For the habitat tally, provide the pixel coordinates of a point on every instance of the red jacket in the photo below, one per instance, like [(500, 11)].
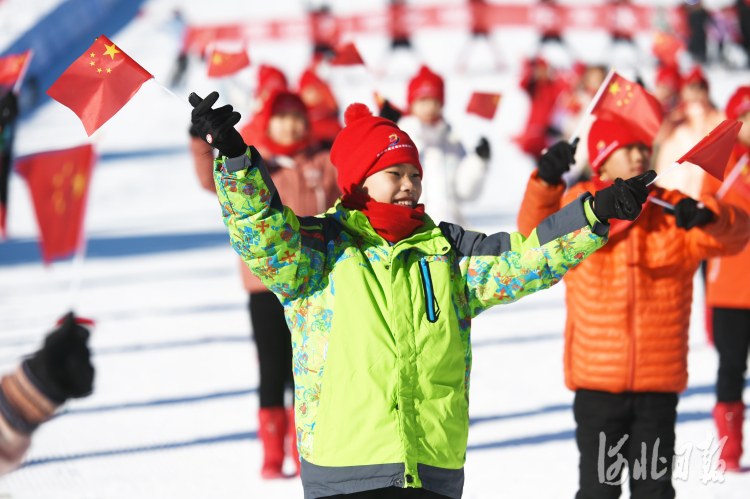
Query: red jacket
[(629, 303)]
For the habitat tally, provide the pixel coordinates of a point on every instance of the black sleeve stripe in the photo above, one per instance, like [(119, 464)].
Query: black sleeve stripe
[(569, 219), (470, 243), (317, 232)]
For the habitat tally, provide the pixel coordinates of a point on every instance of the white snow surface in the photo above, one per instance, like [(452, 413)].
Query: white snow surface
[(174, 412)]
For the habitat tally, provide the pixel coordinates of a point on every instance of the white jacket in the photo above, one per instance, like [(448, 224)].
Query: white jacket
[(450, 175)]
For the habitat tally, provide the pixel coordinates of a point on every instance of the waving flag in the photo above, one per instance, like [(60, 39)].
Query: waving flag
[(99, 83), (629, 104), (713, 151), (12, 67), (346, 55), (227, 63), (667, 47), (59, 182), (483, 105)]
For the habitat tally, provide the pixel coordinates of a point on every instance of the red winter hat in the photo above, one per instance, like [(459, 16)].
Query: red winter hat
[(367, 145), (270, 79), (669, 76), (426, 84), (739, 103), (695, 77), (605, 137)]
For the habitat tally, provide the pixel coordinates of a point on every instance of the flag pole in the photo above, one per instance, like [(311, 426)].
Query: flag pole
[(592, 105), (661, 202), (170, 92), (77, 272), (733, 175), (674, 165), (22, 75)]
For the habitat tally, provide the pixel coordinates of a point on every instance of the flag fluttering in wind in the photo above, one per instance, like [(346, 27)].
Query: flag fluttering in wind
[(713, 151), (346, 55), (667, 48), (12, 67), (59, 183), (224, 63), (629, 104), (99, 83), (483, 104)]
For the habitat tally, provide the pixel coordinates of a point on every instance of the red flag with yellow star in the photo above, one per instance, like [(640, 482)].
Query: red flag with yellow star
[(227, 63), (629, 104), (11, 67), (59, 183), (99, 83), (483, 104), (713, 151)]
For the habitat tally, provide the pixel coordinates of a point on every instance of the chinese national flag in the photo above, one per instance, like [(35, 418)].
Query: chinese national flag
[(59, 182), (346, 55), (742, 183), (713, 151), (483, 105), (11, 67), (99, 83), (629, 104), (227, 63), (666, 48)]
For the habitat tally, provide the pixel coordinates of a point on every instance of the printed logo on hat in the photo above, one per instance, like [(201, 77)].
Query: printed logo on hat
[(601, 145), (394, 139)]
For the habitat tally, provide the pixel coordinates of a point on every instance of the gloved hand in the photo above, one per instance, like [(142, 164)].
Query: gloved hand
[(389, 112), (623, 200), (556, 161), (216, 126), (483, 149), (8, 108), (689, 214), (63, 365)]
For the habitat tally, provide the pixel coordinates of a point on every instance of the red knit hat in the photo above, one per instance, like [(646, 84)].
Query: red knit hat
[(669, 76), (739, 103), (695, 77), (426, 84), (367, 145), (605, 137), (270, 79)]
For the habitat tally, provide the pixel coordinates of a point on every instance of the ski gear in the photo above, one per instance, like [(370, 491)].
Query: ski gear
[(556, 161), (216, 126), (624, 200), (688, 214)]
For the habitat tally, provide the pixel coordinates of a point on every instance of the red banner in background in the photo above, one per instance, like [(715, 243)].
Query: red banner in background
[(478, 17)]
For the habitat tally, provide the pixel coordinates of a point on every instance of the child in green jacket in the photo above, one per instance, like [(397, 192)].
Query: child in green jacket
[(379, 301)]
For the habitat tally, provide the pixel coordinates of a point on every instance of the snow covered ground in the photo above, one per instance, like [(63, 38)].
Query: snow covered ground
[(174, 409)]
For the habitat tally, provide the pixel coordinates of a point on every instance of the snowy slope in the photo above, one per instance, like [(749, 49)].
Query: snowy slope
[(174, 410)]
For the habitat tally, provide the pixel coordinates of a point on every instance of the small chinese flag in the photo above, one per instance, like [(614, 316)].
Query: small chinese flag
[(713, 151), (667, 47), (227, 63), (99, 83), (59, 183), (483, 105), (11, 67), (629, 104), (346, 55)]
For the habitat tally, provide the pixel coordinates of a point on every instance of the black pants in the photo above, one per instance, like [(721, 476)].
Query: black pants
[(732, 340), (391, 493), (644, 418), (274, 344)]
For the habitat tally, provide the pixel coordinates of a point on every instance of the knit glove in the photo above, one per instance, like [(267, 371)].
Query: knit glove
[(556, 161), (688, 213), (63, 365), (483, 149), (624, 200), (8, 108), (216, 126)]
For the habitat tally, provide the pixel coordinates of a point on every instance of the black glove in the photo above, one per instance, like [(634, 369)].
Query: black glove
[(483, 148), (623, 200), (556, 161), (193, 132), (216, 126), (687, 214), (8, 108), (389, 112), (63, 366)]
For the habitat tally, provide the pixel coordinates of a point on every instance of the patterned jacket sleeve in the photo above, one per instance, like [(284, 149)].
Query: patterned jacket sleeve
[(264, 232), (503, 267)]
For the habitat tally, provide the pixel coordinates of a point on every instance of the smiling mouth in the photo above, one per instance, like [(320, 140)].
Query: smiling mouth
[(405, 202)]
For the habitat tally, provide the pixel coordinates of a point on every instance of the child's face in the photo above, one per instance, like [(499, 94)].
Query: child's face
[(398, 184), (427, 110), (287, 128), (626, 162), (744, 136)]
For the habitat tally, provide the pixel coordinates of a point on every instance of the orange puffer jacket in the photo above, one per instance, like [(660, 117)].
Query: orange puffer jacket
[(629, 303)]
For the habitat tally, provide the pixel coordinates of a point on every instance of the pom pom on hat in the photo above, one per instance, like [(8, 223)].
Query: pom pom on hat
[(356, 111)]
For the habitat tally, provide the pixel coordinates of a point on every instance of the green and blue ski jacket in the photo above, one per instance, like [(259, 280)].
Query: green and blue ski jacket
[(381, 332)]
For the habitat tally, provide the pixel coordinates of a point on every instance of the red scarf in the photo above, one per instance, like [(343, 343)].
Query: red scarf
[(269, 148), (391, 221)]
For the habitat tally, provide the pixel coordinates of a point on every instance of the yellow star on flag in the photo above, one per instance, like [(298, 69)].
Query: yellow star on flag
[(99, 70), (109, 70), (93, 54), (111, 50), (217, 59), (614, 88), (92, 63)]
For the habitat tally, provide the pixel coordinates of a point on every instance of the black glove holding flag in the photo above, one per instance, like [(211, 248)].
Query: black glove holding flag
[(389, 112), (556, 161), (689, 213), (8, 108), (216, 126), (63, 367), (483, 148), (624, 200)]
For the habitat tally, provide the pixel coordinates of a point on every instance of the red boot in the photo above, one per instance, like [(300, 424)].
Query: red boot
[(292, 438), (729, 417), (271, 431)]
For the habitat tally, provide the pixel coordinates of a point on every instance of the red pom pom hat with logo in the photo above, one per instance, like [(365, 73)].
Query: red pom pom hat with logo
[(426, 84), (605, 138), (367, 145)]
